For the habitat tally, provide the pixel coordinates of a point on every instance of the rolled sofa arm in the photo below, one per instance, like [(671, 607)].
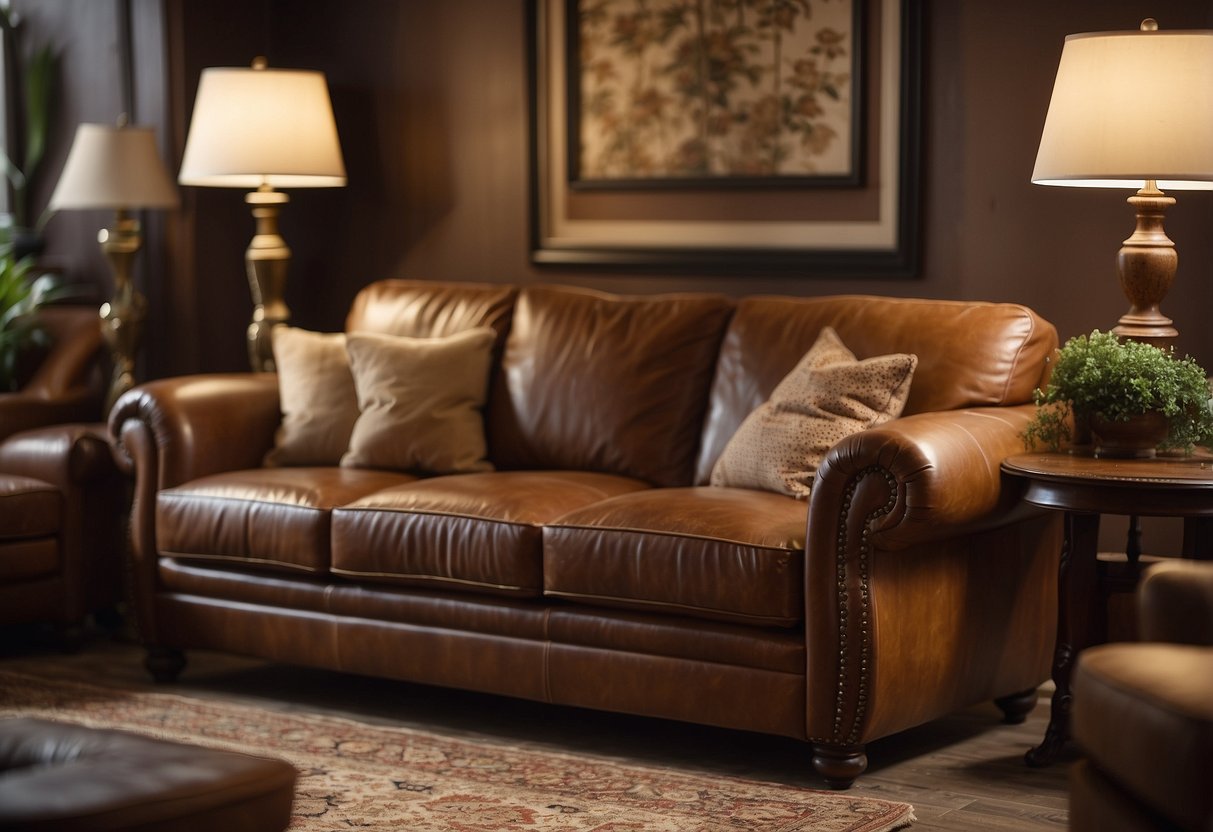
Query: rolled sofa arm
[(174, 430), (915, 489), (937, 474), (197, 425)]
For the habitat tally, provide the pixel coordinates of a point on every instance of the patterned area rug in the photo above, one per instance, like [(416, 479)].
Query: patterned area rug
[(360, 776)]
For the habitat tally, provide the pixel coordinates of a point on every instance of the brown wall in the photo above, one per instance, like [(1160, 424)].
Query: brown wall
[(431, 103)]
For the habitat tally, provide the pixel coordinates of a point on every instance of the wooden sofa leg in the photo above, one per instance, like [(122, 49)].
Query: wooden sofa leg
[(839, 765), (164, 663), (1017, 706)]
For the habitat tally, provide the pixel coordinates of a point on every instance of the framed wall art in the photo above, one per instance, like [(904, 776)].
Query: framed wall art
[(735, 136)]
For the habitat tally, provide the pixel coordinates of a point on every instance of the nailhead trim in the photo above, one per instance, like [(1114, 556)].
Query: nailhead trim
[(865, 633)]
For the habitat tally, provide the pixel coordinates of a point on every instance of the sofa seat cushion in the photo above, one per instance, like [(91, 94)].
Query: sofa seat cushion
[(728, 554), (25, 560), (478, 532), (1143, 715), (28, 508), (269, 517)]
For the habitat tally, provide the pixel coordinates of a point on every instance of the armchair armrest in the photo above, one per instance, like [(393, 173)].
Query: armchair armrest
[(66, 455), (1175, 603), (196, 425), (26, 410)]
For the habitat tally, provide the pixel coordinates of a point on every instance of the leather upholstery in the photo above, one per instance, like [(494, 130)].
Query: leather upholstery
[(424, 309), (61, 526), (28, 508), (716, 553), (270, 517), (596, 382), (67, 385), (472, 531), (969, 354), (910, 584), (1143, 712), (68, 778)]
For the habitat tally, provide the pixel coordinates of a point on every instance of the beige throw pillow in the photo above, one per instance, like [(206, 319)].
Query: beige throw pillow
[(828, 396), (420, 400), (317, 397)]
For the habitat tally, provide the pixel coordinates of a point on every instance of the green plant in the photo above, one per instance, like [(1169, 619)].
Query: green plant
[(37, 80), (21, 295), (1101, 374)]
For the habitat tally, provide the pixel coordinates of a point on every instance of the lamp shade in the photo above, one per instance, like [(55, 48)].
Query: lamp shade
[(257, 126), (1131, 106), (113, 167)]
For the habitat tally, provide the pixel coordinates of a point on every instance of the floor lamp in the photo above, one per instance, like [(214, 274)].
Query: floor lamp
[(117, 168), (263, 129), (1134, 109)]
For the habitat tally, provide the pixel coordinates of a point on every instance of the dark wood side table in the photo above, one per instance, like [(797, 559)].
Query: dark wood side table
[(1085, 487)]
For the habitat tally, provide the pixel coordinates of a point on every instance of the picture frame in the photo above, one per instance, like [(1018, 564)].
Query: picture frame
[(671, 95), (862, 224)]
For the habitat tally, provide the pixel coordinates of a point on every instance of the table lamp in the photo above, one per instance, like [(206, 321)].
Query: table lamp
[(1134, 109), (264, 129), (119, 168)]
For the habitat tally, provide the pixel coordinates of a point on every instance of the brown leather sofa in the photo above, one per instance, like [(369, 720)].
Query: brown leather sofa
[(1143, 713), (595, 566), (61, 496)]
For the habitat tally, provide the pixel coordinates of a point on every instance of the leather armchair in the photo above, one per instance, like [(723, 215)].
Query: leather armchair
[(1143, 713), (61, 497)]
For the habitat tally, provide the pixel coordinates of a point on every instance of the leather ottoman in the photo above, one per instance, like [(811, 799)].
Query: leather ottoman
[(70, 778)]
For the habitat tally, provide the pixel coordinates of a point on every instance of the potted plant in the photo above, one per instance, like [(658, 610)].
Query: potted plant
[(1134, 397), (22, 294)]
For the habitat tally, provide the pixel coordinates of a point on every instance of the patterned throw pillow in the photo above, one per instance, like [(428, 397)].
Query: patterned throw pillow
[(828, 396)]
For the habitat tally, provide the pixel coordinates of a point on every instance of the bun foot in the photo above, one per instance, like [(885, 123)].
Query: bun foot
[(1017, 706), (839, 765), (164, 663)]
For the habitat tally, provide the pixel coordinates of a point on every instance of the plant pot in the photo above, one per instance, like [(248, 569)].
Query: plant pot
[(1135, 439)]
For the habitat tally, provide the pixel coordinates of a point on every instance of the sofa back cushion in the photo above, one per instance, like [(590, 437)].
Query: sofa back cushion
[(599, 382), (426, 309), (970, 354)]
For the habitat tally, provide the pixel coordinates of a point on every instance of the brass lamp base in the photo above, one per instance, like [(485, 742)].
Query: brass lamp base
[(122, 318), (266, 261), (1147, 263)]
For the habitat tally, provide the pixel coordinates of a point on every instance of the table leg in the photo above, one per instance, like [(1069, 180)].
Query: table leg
[(1080, 623)]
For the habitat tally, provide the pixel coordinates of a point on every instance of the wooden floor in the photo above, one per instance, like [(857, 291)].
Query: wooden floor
[(963, 772)]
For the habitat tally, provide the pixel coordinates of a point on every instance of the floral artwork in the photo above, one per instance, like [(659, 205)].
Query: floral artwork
[(713, 89)]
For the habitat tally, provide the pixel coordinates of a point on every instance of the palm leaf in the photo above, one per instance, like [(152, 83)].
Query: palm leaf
[(40, 81)]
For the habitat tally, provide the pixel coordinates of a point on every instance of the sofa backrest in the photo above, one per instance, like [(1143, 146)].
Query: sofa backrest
[(970, 354), (428, 309), (72, 366), (600, 382)]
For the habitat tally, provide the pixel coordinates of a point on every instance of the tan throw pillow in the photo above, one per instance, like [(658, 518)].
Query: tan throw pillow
[(828, 396), (317, 397), (420, 400)]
